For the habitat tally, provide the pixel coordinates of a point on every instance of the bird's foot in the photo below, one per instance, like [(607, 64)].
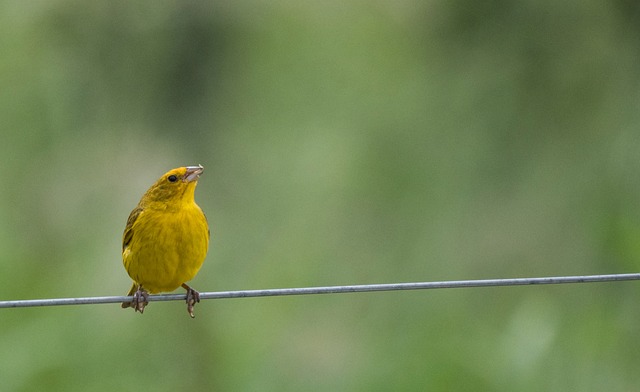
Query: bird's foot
[(193, 297), (140, 300)]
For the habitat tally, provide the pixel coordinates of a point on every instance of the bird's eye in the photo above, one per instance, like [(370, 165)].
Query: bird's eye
[(172, 178)]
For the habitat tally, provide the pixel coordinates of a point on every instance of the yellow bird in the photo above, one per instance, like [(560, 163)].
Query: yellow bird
[(166, 239)]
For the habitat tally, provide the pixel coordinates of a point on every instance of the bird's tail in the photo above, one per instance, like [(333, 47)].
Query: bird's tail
[(132, 291)]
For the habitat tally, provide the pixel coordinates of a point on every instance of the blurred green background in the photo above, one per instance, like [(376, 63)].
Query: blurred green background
[(344, 143)]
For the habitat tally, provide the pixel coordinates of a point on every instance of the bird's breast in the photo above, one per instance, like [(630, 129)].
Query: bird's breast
[(167, 248)]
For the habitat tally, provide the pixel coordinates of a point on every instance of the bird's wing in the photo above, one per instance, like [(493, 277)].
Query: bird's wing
[(206, 221), (128, 231)]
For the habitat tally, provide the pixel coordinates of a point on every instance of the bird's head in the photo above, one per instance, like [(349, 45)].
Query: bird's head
[(177, 185)]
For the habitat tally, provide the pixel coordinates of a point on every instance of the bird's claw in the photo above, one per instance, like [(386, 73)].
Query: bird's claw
[(140, 300), (193, 297)]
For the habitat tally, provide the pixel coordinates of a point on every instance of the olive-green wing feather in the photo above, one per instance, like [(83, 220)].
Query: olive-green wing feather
[(126, 240), (128, 231)]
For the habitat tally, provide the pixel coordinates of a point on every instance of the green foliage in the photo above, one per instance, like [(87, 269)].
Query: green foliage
[(343, 143)]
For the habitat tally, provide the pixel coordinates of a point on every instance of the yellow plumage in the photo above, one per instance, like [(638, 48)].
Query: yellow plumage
[(166, 238)]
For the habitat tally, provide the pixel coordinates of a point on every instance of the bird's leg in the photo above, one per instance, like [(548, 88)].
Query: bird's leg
[(140, 300), (193, 297)]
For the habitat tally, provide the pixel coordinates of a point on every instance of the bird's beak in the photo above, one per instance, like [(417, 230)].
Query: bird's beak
[(192, 173)]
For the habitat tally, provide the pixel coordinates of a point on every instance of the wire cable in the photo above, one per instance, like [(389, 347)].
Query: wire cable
[(331, 290)]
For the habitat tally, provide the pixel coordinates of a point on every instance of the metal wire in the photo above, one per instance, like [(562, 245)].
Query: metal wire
[(330, 290)]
